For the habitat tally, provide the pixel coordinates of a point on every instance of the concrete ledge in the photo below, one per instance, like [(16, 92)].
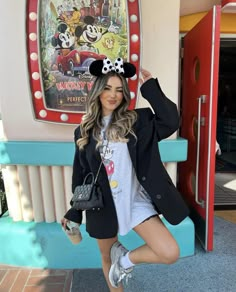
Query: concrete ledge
[(45, 245), (50, 153)]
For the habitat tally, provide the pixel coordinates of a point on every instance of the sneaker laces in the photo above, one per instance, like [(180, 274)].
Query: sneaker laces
[(125, 275)]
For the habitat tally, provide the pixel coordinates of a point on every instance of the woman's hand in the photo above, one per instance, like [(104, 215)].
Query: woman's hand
[(145, 75), (64, 223)]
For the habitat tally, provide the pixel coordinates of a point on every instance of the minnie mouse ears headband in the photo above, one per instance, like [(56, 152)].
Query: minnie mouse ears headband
[(102, 67)]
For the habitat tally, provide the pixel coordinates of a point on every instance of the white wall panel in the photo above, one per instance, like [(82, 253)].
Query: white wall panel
[(36, 193), (24, 193), (47, 193)]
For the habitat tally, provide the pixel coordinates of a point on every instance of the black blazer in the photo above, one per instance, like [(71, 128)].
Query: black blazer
[(150, 128)]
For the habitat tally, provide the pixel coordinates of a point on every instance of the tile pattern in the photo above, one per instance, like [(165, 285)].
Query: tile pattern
[(17, 279)]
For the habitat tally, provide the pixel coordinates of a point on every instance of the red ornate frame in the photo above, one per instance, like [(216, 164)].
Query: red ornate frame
[(42, 113)]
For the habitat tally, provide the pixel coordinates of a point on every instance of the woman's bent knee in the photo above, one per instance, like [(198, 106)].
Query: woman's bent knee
[(168, 252), (171, 255)]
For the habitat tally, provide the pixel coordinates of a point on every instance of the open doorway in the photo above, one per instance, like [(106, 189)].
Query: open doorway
[(225, 177), (225, 172)]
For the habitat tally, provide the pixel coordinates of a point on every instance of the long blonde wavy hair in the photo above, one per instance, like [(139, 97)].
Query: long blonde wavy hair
[(122, 118)]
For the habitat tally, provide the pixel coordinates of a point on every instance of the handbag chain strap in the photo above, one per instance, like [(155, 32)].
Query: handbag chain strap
[(96, 177)]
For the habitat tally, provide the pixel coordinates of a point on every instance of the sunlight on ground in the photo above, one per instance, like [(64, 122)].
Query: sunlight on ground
[(231, 185)]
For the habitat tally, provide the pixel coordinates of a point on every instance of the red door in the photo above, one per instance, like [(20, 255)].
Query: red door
[(199, 114)]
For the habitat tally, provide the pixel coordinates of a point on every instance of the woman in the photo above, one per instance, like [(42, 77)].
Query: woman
[(135, 185)]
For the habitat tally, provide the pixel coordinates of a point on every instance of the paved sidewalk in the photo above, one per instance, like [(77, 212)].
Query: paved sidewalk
[(17, 279)]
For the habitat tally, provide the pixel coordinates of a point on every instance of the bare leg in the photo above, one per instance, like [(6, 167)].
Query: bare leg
[(105, 247), (160, 246)]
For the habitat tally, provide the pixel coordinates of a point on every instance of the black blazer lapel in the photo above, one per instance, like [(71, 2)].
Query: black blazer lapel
[(132, 149), (93, 154)]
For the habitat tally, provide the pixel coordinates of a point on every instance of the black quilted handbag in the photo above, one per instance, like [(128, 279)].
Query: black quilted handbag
[(88, 196)]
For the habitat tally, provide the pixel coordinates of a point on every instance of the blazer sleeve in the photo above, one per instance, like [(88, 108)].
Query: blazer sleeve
[(77, 179), (166, 116)]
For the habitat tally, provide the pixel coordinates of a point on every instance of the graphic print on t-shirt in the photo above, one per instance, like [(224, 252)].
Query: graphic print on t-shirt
[(106, 154), (128, 195)]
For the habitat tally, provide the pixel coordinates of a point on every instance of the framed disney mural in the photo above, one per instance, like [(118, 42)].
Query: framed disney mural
[(63, 38)]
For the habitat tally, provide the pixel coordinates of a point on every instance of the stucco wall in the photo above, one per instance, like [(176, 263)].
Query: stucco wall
[(160, 37)]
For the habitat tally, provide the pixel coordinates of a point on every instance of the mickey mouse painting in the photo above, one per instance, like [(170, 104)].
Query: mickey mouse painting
[(70, 59), (75, 40), (63, 39), (90, 33)]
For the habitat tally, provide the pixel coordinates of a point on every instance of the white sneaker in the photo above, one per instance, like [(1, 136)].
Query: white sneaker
[(117, 273)]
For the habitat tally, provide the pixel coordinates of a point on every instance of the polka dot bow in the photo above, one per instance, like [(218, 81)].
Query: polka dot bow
[(108, 66), (102, 67)]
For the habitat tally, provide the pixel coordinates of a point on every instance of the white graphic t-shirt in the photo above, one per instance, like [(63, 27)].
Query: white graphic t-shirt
[(133, 204)]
